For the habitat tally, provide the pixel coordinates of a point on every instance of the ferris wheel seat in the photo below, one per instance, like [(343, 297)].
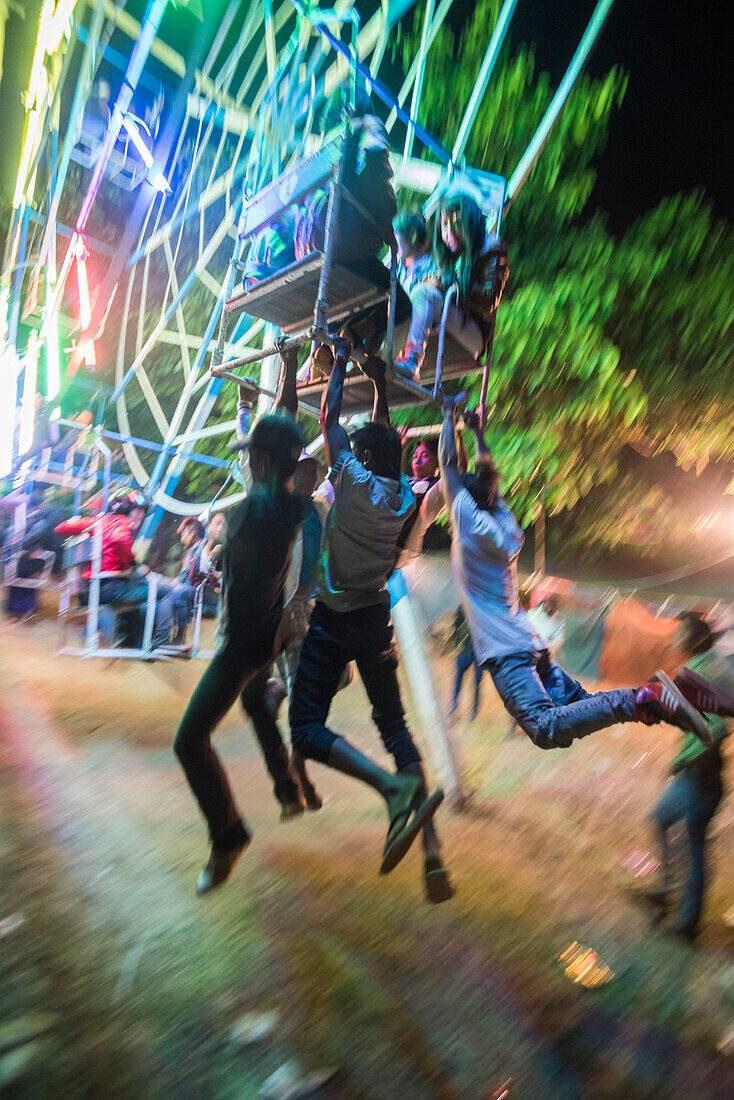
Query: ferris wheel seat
[(359, 394), (290, 187), (457, 361), (287, 298), (124, 168)]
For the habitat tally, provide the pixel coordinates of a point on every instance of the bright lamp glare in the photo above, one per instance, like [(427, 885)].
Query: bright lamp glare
[(157, 179), (132, 129), (59, 24), (90, 354), (160, 183), (85, 306)]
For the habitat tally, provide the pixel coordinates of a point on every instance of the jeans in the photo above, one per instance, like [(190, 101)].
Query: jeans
[(183, 605), (549, 706), (130, 590), (334, 639), (230, 673), (464, 660), (691, 797), (427, 308)]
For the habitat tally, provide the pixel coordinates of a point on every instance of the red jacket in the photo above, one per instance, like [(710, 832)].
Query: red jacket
[(117, 541)]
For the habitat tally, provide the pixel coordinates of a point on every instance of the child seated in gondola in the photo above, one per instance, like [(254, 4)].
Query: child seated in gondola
[(471, 258), (415, 255)]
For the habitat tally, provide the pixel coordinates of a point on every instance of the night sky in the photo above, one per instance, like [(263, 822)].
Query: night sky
[(675, 128)]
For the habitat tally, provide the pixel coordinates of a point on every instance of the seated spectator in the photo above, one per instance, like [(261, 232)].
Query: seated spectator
[(363, 226), (271, 249), (38, 539), (367, 176), (199, 566), (122, 579)]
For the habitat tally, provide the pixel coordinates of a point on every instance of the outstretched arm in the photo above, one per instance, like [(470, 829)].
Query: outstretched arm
[(287, 400), (374, 369), (471, 419), (448, 459), (335, 436)]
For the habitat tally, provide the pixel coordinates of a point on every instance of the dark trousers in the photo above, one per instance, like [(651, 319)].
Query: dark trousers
[(334, 639), (552, 708), (464, 660), (230, 673), (691, 796)]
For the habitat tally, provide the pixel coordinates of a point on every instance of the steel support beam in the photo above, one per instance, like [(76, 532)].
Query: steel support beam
[(438, 21)]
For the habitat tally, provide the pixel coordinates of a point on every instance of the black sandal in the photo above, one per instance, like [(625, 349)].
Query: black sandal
[(406, 824)]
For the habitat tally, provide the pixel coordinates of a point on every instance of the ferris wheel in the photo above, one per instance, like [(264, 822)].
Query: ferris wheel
[(229, 102)]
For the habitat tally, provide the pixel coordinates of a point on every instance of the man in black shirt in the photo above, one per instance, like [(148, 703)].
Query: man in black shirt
[(255, 562)]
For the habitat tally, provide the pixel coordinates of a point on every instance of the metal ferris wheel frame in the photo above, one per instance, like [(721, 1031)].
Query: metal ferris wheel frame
[(243, 100)]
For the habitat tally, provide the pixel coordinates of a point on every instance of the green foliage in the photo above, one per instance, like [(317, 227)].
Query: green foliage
[(674, 325), (599, 342), (559, 394)]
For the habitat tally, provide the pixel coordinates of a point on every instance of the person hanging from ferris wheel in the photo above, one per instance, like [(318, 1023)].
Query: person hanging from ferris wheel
[(255, 562), (469, 257), (351, 622), (553, 709)]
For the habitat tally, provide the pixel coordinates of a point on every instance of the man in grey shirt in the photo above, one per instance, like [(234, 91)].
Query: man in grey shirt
[(351, 618), (551, 707)]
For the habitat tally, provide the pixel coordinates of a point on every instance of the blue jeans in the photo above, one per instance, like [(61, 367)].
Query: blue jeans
[(691, 796), (334, 639), (183, 604), (464, 660), (130, 590), (549, 706)]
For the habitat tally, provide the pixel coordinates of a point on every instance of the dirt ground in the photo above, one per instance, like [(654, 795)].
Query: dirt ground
[(116, 981)]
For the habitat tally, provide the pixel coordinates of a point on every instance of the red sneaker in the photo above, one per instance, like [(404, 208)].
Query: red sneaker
[(660, 700), (704, 695)]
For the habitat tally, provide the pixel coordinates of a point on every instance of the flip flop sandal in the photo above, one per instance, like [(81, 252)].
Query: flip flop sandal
[(438, 883), (400, 819), (404, 835), (698, 723)]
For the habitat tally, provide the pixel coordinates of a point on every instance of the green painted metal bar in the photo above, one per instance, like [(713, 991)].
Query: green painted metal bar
[(420, 76), (534, 149), (485, 74)]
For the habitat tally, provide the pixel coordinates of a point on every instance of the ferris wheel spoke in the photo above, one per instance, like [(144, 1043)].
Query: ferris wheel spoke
[(149, 393), (203, 260), (207, 280), (186, 358), (407, 85), (280, 18), (205, 200)]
